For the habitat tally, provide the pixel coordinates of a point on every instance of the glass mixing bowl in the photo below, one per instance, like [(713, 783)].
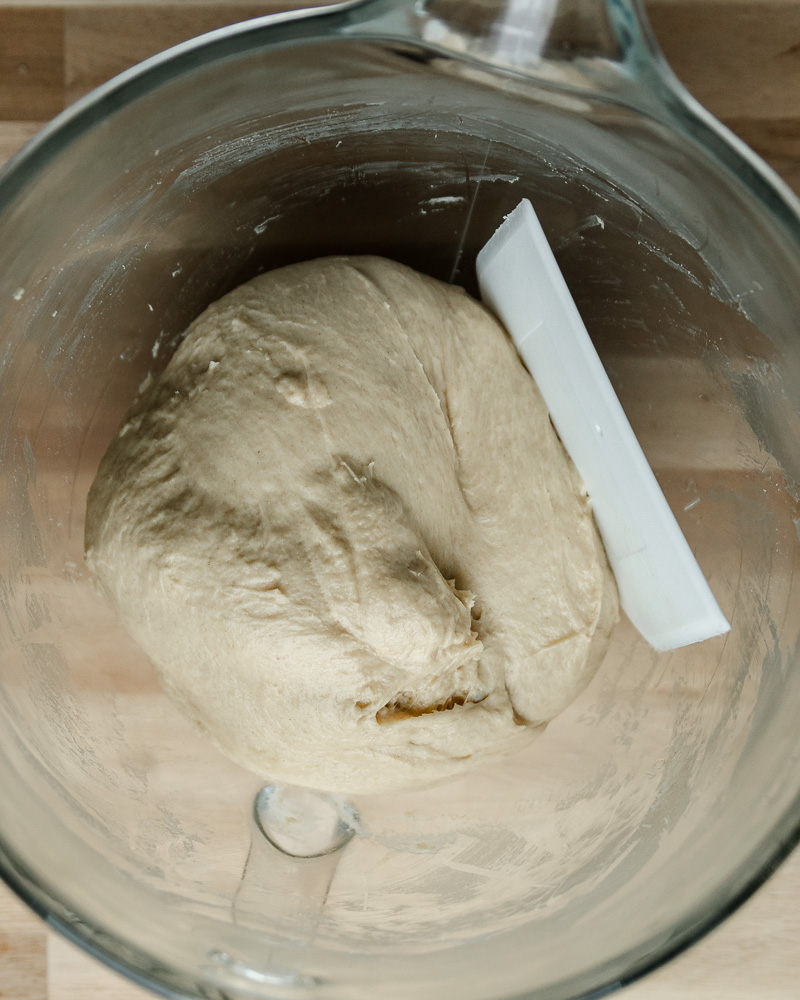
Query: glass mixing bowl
[(671, 788)]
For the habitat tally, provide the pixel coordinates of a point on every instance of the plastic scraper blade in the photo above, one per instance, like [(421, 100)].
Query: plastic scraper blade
[(662, 589)]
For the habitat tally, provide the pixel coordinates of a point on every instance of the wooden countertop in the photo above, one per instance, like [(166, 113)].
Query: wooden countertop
[(741, 58)]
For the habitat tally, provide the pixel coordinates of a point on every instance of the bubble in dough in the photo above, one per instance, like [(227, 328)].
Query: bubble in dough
[(341, 525)]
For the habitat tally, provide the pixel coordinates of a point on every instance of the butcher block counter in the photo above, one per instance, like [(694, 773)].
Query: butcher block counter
[(740, 58)]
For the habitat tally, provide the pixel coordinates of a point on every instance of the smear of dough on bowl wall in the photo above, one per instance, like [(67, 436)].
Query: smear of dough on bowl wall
[(341, 525)]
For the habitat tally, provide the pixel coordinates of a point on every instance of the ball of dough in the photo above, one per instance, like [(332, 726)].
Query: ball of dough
[(341, 525)]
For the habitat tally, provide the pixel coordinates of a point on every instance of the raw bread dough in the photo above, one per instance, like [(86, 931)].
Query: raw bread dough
[(343, 528)]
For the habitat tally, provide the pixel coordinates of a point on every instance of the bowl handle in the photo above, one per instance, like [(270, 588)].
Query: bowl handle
[(606, 46)]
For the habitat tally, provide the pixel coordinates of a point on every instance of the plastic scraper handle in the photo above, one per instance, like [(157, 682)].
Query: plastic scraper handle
[(662, 589)]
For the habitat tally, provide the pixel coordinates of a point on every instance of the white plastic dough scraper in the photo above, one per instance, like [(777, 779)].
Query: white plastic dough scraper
[(662, 589)]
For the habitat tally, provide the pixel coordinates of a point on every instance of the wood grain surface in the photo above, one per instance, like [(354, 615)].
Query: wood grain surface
[(741, 58)]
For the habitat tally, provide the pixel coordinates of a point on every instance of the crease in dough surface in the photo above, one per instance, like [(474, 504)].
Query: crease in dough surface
[(341, 525)]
